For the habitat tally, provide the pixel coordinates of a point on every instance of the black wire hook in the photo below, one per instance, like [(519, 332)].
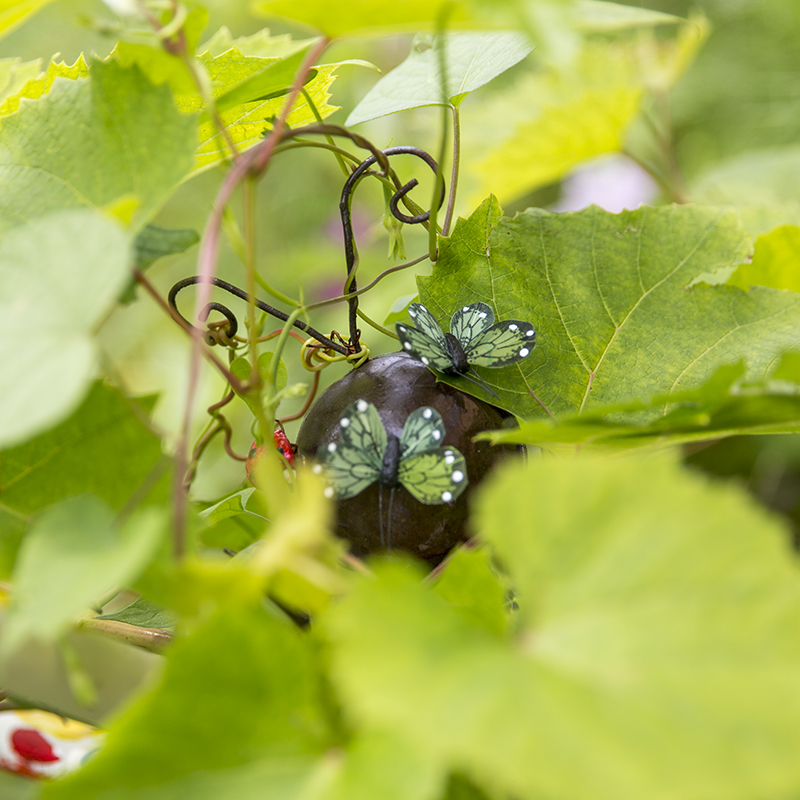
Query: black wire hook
[(347, 222), (233, 325)]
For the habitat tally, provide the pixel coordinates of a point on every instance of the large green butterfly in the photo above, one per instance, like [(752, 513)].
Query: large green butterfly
[(365, 454), (475, 340)]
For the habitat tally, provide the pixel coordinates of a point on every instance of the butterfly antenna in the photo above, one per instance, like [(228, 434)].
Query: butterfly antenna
[(389, 521), (480, 382)]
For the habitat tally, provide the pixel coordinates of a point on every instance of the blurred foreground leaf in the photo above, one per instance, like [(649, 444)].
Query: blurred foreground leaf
[(659, 625), (58, 277), (73, 554)]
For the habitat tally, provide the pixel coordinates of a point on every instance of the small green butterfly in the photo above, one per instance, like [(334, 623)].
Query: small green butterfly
[(365, 453), (475, 340)]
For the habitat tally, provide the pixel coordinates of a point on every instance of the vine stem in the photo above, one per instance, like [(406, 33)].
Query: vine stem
[(255, 160), (451, 200)]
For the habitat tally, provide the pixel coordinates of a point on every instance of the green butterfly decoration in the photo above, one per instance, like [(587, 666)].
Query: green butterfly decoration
[(365, 453), (475, 340)]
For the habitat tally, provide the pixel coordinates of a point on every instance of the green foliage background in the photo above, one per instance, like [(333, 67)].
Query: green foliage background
[(626, 623)]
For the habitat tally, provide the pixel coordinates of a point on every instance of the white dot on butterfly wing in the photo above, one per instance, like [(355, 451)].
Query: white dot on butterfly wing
[(457, 476), (482, 315), (436, 435), (466, 308), (530, 332), (332, 447), (406, 345), (425, 361), (447, 496), (427, 413), (513, 327), (524, 352), (328, 492), (412, 313), (361, 405), (344, 422), (449, 458), (317, 469)]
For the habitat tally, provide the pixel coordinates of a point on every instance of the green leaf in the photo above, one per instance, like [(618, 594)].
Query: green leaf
[(58, 277), (154, 242), (547, 122), (142, 613), (718, 408), (39, 83), (658, 625), (775, 261), (229, 507), (14, 13), (260, 724), (596, 16), (248, 79), (103, 448), (614, 302), (71, 556), (15, 787), (14, 74), (472, 60), (93, 142), (470, 585), (762, 184)]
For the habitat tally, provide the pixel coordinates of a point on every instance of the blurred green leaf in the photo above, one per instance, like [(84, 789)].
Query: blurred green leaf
[(39, 83), (615, 303), (142, 613), (93, 142), (229, 507), (546, 123), (71, 556), (762, 184), (15, 787), (14, 13), (718, 408), (14, 74), (103, 448), (58, 277), (658, 625), (238, 709), (154, 242), (472, 60), (595, 16), (469, 584), (776, 261)]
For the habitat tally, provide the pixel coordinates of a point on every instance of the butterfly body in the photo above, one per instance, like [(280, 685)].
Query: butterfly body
[(474, 340), (391, 463)]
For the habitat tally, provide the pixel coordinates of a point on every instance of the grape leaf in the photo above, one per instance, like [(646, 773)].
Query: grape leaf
[(472, 60), (91, 142), (40, 83), (249, 80), (103, 448), (58, 276), (154, 242), (143, 614), (658, 625), (774, 263), (15, 73), (73, 554), (229, 507), (612, 301), (718, 408)]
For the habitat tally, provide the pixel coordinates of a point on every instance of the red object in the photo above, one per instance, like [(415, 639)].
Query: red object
[(32, 746), (283, 446)]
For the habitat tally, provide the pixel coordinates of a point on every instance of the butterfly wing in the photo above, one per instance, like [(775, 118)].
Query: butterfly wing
[(354, 462), (423, 431), (434, 477), (426, 341), (505, 343), (469, 322)]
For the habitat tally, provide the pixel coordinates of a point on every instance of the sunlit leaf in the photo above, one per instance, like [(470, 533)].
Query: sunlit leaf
[(91, 141), (72, 555), (472, 60), (142, 613), (613, 303), (658, 625), (58, 276), (14, 13)]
